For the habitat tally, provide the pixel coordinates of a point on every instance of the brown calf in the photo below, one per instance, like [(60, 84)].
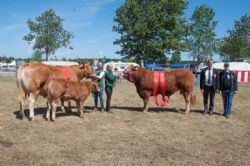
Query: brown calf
[(31, 78), (68, 90)]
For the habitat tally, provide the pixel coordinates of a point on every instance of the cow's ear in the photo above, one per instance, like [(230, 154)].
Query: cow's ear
[(136, 68), (82, 65)]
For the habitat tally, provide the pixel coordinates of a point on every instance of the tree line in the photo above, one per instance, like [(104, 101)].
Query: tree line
[(152, 31)]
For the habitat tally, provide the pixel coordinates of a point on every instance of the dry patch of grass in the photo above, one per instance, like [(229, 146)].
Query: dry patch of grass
[(128, 136)]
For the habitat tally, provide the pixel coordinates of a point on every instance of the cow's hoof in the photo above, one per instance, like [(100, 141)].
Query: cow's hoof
[(20, 117), (52, 120), (81, 116), (145, 111)]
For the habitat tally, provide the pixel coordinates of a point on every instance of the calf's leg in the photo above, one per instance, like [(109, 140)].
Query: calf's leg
[(80, 107), (53, 110)]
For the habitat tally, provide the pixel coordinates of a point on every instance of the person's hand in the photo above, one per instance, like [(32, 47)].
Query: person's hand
[(202, 90), (93, 75)]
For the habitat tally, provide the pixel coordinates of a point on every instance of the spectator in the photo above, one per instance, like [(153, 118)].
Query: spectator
[(99, 77), (110, 79), (228, 86), (208, 86)]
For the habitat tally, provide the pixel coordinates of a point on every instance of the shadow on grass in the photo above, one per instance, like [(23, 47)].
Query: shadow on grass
[(161, 109), (43, 110), (88, 109)]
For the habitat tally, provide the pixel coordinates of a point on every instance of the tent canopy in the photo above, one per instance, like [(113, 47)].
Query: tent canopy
[(237, 66)]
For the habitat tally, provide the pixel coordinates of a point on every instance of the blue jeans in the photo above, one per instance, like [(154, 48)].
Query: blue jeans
[(227, 97), (100, 95)]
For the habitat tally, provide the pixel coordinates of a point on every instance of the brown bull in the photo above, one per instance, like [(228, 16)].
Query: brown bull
[(67, 90), (31, 78), (176, 80)]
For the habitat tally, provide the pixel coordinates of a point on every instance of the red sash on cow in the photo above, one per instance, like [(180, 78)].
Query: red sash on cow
[(65, 72), (159, 85)]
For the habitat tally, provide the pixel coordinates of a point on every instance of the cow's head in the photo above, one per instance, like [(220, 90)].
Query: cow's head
[(87, 69), (128, 73)]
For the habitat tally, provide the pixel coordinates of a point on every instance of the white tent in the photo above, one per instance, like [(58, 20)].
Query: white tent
[(119, 66), (239, 66), (60, 63), (241, 69)]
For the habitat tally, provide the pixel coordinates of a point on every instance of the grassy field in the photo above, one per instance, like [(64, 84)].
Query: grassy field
[(128, 136)]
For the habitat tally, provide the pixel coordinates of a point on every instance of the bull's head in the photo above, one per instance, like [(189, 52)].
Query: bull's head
[(87, 69), (128, 73)]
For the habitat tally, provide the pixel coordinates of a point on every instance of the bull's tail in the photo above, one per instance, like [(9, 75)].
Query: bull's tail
[(193, 98), (22, 94)]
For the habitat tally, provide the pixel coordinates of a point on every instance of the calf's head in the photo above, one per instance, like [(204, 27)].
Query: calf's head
[(95, 87)]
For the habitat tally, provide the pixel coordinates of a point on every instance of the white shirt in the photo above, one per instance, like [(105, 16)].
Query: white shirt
[(207, 76), (101, 75)]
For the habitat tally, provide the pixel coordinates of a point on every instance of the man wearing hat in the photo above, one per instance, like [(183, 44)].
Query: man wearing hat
[(208, 86), (228, 86)]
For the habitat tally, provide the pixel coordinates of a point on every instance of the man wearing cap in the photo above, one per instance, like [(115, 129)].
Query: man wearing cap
[(228, 86), (208, 86)]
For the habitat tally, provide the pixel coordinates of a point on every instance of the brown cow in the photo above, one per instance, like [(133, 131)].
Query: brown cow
[(68, 90), (179, 79), (31, 78)]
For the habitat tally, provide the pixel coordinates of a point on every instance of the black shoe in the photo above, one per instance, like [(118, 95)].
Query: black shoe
[(109, 111)]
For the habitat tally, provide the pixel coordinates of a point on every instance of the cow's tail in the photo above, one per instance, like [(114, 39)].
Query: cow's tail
[(193, 98), (19, 82)]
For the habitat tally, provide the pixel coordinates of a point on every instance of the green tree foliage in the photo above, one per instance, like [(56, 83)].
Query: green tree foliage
[(48, 33), (176, 57), (6, 59), (37, 55), (201, 40), (150, 29), (237, 43)]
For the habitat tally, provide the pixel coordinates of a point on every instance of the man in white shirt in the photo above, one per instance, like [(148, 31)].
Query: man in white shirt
[(208, 86)]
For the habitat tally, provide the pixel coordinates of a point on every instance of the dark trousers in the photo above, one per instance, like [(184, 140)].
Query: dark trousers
[(208, 92), (108, 91)]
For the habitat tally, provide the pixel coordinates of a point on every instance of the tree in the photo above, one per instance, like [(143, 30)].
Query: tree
[(237, 43), (201, 40), (48, 33), (150, 29), (176, 57), (37, 55)]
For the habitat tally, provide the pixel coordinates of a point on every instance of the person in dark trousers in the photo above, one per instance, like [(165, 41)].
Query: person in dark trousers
[(99, 77), (208, 86), (110, 79), (228, 86)]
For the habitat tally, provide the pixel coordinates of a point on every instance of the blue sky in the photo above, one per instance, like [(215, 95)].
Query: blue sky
[(91, 23)]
